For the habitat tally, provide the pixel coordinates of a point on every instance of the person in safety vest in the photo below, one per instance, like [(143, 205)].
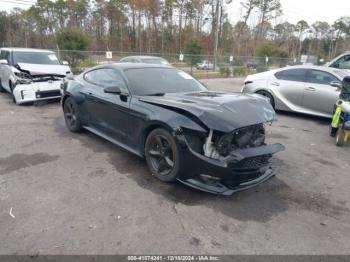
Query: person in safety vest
[(344, 95)]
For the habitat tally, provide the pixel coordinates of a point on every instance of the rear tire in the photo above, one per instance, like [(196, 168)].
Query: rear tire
[(162, 155), (269, 96), (72, 116), (340, 137)]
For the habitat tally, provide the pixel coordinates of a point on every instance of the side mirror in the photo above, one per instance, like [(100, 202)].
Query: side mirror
[(4, 62), (65, 63), (112, 90), (337, 84)]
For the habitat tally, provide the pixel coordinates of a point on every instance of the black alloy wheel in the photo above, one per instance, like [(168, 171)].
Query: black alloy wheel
[(162, 155), (71, 115)]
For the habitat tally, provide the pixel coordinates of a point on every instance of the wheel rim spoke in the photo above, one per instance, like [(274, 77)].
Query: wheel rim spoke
[(70, 114), (161, 166), (161, 155), (159, 141), (154, 153), (169, 162)]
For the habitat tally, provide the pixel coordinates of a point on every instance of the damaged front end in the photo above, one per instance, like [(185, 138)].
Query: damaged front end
[(35, 87), (224, 163)]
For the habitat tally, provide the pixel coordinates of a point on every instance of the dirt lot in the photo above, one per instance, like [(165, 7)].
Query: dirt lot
[(78, 194)]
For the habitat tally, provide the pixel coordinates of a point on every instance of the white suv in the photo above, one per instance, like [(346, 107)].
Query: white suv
[(341, 62), (31, 75)]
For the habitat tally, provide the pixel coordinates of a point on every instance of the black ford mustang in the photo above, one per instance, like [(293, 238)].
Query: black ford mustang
[(212, 141)]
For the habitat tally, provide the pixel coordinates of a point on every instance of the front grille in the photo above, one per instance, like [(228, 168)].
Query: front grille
[(48, 94), (252, 163)]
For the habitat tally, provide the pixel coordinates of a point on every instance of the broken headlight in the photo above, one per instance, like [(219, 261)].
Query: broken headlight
[(23, 78)]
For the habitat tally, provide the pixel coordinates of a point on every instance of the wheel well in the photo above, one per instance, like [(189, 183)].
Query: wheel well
[(265, 91), (64, 100), (149, 129)]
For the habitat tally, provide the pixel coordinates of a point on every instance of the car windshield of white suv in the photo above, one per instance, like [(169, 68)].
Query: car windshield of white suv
[(41, 58)]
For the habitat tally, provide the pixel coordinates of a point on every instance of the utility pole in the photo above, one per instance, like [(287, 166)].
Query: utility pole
[(216, 41)]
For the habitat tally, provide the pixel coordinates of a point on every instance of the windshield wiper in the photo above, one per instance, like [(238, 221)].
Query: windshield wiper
[(156, 94)]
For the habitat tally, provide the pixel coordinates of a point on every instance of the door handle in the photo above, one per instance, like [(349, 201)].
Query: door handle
[(275, 84), (311, 89)]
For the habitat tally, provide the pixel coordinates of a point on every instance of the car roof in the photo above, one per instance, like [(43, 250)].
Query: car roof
[(323, 68), (20, 49), (124, 66), (142, 57), (340, 73)]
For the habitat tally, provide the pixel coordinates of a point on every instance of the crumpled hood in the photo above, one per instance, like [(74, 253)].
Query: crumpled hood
[(36, 69), (219, 111)]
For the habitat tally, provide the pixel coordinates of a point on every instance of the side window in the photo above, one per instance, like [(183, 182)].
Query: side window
[(344, 62), (320, 77), (297, 75), (105, 77), (5, 55)]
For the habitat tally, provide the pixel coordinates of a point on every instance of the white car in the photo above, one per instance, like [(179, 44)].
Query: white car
[(312, 90), (205, 65), (31, 75)]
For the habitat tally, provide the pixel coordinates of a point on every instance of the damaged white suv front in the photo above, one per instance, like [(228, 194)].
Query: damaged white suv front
[(31, 75)]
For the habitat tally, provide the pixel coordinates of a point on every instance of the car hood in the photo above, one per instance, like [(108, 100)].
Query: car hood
[(36, 69), (219, 111)]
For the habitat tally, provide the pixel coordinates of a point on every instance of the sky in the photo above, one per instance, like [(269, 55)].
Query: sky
[(296, 10), (293, 10)]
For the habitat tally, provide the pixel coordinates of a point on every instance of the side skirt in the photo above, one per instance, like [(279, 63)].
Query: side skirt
[(112, 140)]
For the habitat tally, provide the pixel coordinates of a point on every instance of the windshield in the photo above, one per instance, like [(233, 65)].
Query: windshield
[(157, 61), (148, 81), (41, 58)]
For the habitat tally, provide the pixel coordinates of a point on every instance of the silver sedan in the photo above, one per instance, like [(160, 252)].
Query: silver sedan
[(310, 90)]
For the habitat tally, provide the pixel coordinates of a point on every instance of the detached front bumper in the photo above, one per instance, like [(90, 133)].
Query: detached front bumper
[(37, 91), (241, 170)]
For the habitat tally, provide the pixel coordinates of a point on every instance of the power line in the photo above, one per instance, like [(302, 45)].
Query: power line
[(26, 1), (16, 2)]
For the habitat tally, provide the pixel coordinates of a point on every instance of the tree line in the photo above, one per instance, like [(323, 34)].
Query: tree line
[(167, 26)]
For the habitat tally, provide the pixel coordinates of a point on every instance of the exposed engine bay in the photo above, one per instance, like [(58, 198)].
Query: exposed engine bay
[(218, 144)]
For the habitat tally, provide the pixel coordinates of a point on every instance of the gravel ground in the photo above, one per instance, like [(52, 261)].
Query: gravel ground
[(78, 194)]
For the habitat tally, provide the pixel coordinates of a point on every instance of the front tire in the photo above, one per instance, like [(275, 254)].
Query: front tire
[(2, 90), (162, 155), (72, 116), (267, 95), (12, 87)]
